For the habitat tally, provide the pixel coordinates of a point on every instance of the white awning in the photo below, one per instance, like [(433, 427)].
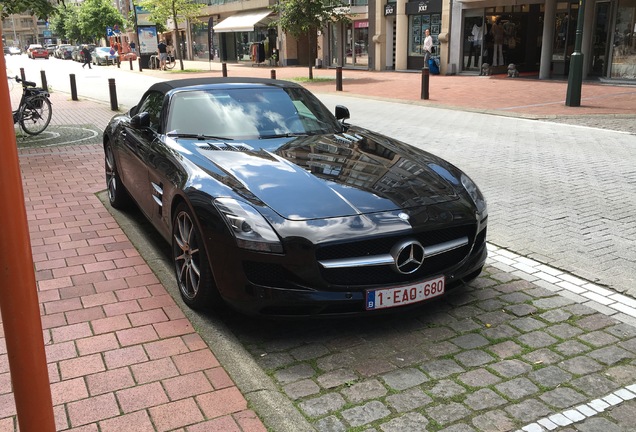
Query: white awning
[(243, 21)]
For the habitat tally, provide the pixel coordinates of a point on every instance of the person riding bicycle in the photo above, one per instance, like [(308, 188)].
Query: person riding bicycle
[(163, 53)]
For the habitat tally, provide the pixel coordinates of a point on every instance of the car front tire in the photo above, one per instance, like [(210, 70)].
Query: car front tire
[(192, 268), (117, 193)]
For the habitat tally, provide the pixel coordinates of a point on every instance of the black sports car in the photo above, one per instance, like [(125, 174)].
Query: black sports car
[(277, 207)]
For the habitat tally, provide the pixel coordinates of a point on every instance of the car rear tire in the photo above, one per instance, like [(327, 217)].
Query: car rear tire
[(117, 193), (191, 265)]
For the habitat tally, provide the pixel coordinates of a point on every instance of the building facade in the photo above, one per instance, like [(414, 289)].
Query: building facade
[(537, 36)]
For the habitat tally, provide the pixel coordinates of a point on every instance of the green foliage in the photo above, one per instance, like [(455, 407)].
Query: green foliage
[(95, 15), (163, 10), (65, 23), (40, 8), (306, 17)]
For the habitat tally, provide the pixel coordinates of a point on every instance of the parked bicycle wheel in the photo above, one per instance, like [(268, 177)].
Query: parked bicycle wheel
[(170, 62), (35, 114)]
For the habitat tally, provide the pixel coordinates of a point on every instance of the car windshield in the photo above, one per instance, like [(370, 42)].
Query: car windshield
[(249, 113)]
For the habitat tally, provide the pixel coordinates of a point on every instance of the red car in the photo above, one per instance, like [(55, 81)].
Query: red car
[(37, 51)]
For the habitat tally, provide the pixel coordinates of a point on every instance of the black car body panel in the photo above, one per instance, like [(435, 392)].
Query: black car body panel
[(331, 198)]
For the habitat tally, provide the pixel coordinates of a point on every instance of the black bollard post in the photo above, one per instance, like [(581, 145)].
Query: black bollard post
[(224, 65), (73, 87), (45, 85), (139, 61), (22, 75), (272, 74), (113, 94), (425, 77), (339, 78), (118, 62), (130, 60)]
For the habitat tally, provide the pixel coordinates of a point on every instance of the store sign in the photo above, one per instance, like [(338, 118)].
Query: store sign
[(421, 7), (360, 24), (390, 9)]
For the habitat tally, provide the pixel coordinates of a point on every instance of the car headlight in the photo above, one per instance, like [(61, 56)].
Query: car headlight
[(249, 227), (475, 194)]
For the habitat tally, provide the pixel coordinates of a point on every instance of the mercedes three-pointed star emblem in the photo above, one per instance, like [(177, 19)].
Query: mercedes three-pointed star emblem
[(408, 256)]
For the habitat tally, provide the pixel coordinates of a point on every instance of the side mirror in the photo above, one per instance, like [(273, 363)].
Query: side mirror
[(342, 112), (140, 121)]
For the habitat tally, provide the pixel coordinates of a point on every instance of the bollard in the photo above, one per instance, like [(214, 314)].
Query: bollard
[(339, 78), (113, 94), (130, 60), (22, 75), (118, 62), (425, 77), (73, 87), (45, 85), (224, 65), (139, 61), (272, 74)]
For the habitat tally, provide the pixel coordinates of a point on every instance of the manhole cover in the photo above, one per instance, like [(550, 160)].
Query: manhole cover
[(60, 135)]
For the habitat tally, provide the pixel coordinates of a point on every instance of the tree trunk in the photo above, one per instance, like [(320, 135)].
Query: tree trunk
[(311, 55), (177, 37)]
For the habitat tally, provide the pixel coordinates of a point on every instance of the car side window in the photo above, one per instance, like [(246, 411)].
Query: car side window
[(152, 105)]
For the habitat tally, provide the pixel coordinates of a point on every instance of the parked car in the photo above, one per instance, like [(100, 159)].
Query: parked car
[(103, 56), (275, 206), (12, 50), (66, 53), (37, 51), (51, 49), (75, 52), (128, 56), (59, 50)]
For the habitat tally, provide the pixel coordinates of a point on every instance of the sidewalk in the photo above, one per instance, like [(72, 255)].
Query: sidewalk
[(526, 96), (122, 354)]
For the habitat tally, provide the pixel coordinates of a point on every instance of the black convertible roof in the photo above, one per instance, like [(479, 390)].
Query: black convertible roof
[(166, 86)]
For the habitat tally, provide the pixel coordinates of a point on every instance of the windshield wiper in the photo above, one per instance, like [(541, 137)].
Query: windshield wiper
[(284, 135), (198, 136)]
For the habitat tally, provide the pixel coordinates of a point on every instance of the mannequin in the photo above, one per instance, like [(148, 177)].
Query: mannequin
[(497, 31), (475, 45)]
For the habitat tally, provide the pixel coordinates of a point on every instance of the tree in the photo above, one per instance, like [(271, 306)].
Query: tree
[(306, 17), (40, 8), (65, 23), (163, 10), (95, 15)]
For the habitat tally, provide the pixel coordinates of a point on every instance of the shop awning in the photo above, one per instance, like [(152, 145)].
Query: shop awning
[(244, 21)]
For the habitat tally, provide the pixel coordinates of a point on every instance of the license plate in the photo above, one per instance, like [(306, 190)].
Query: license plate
[(409, 294)]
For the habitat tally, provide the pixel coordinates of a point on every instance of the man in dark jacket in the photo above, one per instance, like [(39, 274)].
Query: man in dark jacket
[(86, 53)]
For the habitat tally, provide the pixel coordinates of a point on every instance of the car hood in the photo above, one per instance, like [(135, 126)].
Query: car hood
[(325, 176)]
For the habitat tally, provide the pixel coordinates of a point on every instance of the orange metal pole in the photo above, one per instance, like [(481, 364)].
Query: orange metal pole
[(18, 292)]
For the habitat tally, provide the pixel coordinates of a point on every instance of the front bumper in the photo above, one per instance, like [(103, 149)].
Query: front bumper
[(279, 302)]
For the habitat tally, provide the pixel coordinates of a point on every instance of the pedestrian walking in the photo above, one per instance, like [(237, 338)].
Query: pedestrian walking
[(163, 54), (86, 53), (132, 46), (428, 46)]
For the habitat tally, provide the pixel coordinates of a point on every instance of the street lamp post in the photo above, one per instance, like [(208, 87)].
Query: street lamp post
[(575, 77)]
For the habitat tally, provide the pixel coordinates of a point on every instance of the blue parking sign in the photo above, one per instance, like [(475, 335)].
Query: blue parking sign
[(109, 31)]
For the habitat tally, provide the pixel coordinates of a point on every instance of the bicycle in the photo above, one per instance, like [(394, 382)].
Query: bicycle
[(155, 63), (34, 112)]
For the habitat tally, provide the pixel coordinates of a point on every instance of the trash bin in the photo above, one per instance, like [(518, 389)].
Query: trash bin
[(318, 63)]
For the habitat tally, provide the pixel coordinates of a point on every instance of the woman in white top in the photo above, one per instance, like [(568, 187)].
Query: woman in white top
[(428, 46)]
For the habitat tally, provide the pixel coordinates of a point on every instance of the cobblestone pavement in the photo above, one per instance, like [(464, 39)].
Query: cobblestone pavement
[(499, 355), (524, 347)]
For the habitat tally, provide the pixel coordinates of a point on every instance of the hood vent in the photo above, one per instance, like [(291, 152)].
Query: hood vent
[(224, 146)]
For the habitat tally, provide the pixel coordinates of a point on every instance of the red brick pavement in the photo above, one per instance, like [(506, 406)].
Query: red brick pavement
[(121, 354)]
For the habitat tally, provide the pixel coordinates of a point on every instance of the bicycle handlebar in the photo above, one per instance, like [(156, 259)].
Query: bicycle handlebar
[(24, 82)]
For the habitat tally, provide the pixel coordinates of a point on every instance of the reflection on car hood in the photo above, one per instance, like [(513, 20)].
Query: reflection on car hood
[(337, 175)]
